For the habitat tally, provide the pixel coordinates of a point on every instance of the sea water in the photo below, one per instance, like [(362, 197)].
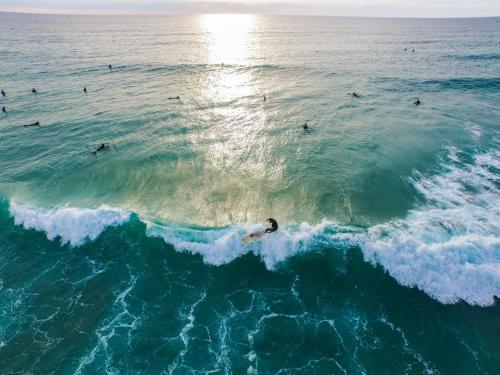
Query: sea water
[(387, 260)]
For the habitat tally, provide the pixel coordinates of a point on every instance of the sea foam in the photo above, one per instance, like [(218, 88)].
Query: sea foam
[(449, 247), (220, 246), (73, 225)]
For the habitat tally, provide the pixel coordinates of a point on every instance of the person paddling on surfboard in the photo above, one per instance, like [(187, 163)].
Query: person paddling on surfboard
[(274, 226)]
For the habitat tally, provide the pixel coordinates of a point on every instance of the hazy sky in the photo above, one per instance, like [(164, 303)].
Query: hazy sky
[(377, 8)]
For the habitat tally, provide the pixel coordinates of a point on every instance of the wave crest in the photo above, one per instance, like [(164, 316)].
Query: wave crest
[(450, 246), (220, 246), (71, 225)]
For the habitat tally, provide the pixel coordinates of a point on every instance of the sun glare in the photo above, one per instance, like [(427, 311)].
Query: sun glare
[(231, 89), (228, 37)]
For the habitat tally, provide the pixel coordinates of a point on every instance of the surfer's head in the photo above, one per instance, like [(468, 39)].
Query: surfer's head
[(274, 224)]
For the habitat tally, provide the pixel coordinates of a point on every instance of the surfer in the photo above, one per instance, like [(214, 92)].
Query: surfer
[(3, 93), (418, 102), (33, 91), (34, 124), (305, 126), (174, 97), (110, 67), (4, 110), (85, 90), (355, 95), (255, 236), (274, 226), (265, 98), (102, 147)]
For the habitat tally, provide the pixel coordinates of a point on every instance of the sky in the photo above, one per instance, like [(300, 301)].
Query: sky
[(361, 8)]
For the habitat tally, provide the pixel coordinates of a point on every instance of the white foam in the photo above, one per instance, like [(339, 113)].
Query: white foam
[(73, 225), (222, 246), (450, 246)]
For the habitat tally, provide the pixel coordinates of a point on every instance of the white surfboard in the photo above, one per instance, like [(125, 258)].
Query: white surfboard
[(255, 236)]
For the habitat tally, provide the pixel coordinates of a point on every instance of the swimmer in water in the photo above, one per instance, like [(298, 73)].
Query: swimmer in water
[(418, 102), (33, 91), (85, 90), (174, 97), (3, 93), (102, 147), (274, 226), (110, 67), (34, 124), (265, 98), (4, 110), (305, 126), (355, 95)]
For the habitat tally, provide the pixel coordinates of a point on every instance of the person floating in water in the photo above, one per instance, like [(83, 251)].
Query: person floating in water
[(4, 110), (355, 95), (85, 90), (3, 93), (33, 91), (418, 102), (102, 147), (305, 126), (274, 226), (34, 124), (174, 97)]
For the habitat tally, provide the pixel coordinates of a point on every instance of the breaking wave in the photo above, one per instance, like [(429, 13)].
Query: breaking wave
[(449, 246), (69, 224)]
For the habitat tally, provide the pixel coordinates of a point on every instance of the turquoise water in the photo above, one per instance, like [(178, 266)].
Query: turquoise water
[(388, 255)]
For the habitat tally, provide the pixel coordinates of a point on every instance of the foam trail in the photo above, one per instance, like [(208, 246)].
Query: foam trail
[(450, 246), (73, 225)]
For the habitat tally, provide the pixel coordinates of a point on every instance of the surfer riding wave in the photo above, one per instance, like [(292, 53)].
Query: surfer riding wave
[(258, 235)]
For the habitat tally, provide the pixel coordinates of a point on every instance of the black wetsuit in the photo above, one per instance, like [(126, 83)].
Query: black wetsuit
[(102, 147), (274, 225)]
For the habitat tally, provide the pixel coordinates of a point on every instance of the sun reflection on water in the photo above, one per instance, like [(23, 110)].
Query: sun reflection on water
[(228, 37), (235, 141)]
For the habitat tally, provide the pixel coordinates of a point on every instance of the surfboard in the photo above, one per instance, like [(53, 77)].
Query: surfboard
[(255, 236)]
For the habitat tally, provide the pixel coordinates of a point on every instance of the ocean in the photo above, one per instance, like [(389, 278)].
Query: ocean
[(129, 261)]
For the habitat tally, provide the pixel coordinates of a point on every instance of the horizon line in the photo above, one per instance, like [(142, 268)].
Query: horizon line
[(159, 14)]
